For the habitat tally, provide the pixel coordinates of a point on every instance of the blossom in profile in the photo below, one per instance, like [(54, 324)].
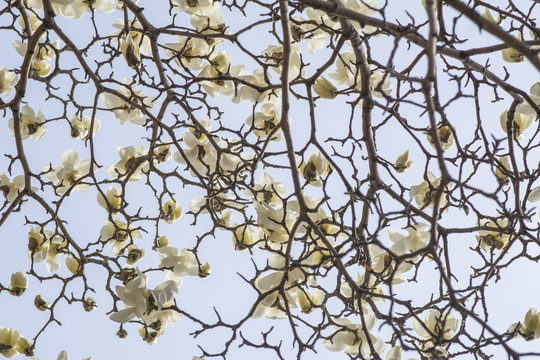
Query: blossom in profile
[(8, 80), (19, 284), (171, 211), (130, 50), (118, 233), (325, 89), (80, 127), (11, 188), (403, 163), (315, 168)]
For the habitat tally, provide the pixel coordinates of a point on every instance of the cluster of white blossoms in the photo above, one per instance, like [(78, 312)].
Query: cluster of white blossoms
[(316, 246)]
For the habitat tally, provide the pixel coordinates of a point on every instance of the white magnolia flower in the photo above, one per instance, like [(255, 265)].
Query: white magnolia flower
[(273, 55), (18, 284), (380, 84), (383, 264), (493, 239), (75, 9), (183, 264), (44, 53), (403, 163), (32, 124), (424, 193), (417, 238), (251, 93), (273, 305), (353, 338), (130, 110), (12, 343), (310, 301), (130, 50), (314, 36), (8, 80), (189, 52), (325, 89), (446, 136), (136, 32), (171, 211), (113, 200), (316, 167), (44, 246), (211, 21), (11, 189), (135, 296), (220, 86), (347, 72), (119, 233), (200, 7), (33, 19), (268, 191), (523, 118), (132, 163), (266, 121), (70, 173), (530, 327), (200, 154), (80, 128), (436, 325)]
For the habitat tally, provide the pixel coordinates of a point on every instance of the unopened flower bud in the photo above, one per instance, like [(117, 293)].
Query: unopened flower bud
[(205, 270), (19, 284), (325, 89), (89, 304), (40, 303), (73, 265), (163, 241), (403, 163), (134, 255), (121, 333)]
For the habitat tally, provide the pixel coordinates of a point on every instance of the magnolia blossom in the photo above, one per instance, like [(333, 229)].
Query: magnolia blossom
[(511, 55), (119, 233), (493, 239), (380, 84), (189, 52), (130, 50), (200, 153), (245, 236), (211, 21), (171, 211), (445, 134), (44, 246), (12, 343), (70, 173), (32, 124), (325, 89), (418, 237), (502, 170), (523, 118), (18, 284), (252, 93), (266, 121), (182, 264), (316, 167), (220, 86), (75, 9), (113, 200), (43, 53), (131, 110), (193, 6), (530, 327), (383, 264), (310, 301), (347, 72), (134, 295), (273, 305), (436, 325), (33, 21), (80, 127), (275, 223), (268, 191), (403, 163), (353, 338), (136, 32), (273, 55), (374, 286), (11, 189), (424, 193), (314, 36), (8, 80), (132, 163)]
